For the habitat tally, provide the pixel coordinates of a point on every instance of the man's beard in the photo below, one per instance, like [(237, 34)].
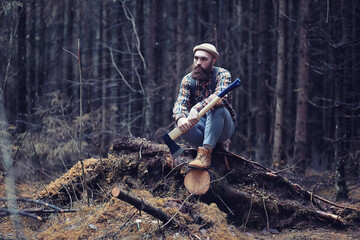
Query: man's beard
[(200, 73)]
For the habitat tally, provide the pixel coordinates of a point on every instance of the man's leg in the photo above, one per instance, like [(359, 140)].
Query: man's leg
[(219, 127), (195, 136)]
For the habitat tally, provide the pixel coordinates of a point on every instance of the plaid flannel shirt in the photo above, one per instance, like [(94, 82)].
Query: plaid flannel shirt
[(203, 95)]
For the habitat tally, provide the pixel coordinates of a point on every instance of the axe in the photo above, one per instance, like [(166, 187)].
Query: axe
[(169, 138)]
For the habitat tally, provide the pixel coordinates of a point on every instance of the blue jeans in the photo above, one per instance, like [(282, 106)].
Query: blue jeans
[(216, 126)]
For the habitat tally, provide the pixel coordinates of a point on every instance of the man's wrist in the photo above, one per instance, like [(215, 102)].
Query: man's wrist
[(177, 120), (198, 107)]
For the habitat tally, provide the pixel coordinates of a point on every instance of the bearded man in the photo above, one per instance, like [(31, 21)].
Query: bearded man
[(197, 89)]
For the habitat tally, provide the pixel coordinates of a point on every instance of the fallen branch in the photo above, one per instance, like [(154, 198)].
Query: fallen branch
[(141, 205), (7, 212), (30, 212), (41, 210), (329, 217), (39, 202)]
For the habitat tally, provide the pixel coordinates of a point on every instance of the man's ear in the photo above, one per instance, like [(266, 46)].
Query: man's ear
[(213, 61)]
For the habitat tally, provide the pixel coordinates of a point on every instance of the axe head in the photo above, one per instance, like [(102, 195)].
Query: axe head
[(175, 149)]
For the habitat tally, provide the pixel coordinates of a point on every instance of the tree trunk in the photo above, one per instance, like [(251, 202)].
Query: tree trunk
[(32, 66), (152, 54), (251, 79), (141, 30), (71, 62), (22, 104), (102, 69), (280, 83), (180, 56), (260, 119), (99, 80), (299, 157), (60, 42), (42, 41), (340, 127), (290, 102), (355, 54)]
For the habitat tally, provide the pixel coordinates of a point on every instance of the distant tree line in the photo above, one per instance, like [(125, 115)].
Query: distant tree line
[(299, 62)]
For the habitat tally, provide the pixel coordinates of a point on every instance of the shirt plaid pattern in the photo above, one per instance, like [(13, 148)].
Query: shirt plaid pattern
[(203, 95)]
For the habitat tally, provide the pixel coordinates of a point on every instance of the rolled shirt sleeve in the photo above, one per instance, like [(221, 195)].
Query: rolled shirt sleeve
[(182, 105)]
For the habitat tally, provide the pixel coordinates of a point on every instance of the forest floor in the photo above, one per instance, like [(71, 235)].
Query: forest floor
[(110, 218)]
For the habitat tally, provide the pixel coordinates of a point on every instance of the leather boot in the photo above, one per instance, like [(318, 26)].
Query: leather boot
[(202, 160)]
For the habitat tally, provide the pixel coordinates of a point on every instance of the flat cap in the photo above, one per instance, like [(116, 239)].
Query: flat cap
[(207, 47)]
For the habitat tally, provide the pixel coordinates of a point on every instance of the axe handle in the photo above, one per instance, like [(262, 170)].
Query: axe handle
[(175, 133), (209, 106)]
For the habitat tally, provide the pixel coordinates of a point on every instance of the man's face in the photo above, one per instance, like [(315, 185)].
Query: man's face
[(202, 59), (202, 66)]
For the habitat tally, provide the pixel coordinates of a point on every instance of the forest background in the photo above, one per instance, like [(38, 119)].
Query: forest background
[(75, 75)]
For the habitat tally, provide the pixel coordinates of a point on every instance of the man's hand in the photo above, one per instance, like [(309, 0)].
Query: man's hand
[(185, 124), (193, 117)]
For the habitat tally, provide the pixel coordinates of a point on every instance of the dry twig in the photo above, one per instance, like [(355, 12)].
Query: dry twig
[(30, 212)]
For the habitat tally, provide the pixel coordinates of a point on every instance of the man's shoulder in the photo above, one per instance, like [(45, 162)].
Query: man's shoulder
[(222, 72), (186, 79), (187, 76), (221, 69)]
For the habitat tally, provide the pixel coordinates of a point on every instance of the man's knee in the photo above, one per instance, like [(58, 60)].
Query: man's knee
[(218, 112)]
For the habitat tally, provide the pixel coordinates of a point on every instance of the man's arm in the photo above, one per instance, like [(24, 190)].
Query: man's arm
[(182, 104), (185, 120)]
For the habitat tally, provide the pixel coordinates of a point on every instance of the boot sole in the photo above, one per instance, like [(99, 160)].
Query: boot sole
[(198, 168)]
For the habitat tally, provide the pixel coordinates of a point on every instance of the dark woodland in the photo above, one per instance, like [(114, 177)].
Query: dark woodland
[(77, 75)]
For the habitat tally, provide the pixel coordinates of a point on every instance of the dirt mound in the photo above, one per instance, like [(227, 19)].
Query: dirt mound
[(248, 195)]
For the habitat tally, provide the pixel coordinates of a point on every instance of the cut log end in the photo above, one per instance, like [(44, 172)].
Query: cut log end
[(197, 182), (115, 192)]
